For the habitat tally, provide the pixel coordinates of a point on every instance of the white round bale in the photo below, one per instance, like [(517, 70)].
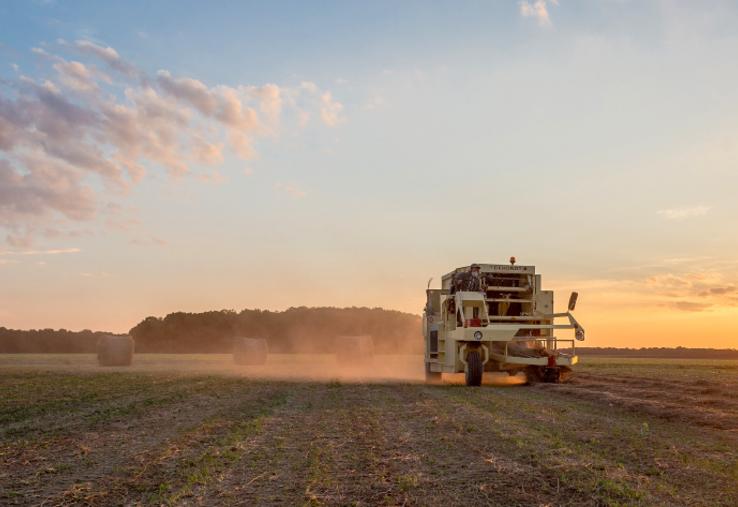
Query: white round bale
[(115, 350), (355, 349), (250, 351)]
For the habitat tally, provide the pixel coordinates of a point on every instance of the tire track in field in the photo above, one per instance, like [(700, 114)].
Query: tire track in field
[(708, 405), (373, 444), (80, 439), (598, 456), (325, 446), (484, 456), (82, 410), (700, 392), (46, 397), (725, 388), (453, 458), (165, 472), (84, 467)]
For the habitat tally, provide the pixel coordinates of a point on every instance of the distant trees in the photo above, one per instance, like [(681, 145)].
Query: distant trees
[(660, 352), (298, 329), (47, 340)]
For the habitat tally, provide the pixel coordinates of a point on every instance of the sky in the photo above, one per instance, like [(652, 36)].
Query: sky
[(188, 156)]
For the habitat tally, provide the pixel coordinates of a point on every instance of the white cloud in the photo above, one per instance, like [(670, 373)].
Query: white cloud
[(270, 97), (291, 189), (309, 86), (53, 251), (108, 55), (684, 212), (537, 9), (78, 76), (374, 102), (205, 152), (330, 110), (148, 241), (79, 139), (96, 274)]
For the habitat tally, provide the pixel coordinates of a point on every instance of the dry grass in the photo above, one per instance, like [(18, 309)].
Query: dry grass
[(198, 430)]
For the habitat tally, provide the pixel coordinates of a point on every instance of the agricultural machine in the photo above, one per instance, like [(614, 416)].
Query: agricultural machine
[(497, 318)]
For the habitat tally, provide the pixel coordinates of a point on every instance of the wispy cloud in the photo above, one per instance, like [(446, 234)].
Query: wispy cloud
[(684, 212), (96, 274), (108, 55), (148, 241), (374, 102), (56, 251), (537, 9), (80, 137), (291, 189), (689, 284), (330, 110), (690, 306), (711, 286)]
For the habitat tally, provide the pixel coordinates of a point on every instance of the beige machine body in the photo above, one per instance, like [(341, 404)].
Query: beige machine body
[(508, 324)]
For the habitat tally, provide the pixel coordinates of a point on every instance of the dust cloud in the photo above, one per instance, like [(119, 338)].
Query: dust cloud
[(328, 367), (499, 379), (381, 368)]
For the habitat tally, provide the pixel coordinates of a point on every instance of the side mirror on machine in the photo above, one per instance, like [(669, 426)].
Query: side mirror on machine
[(573, 301)]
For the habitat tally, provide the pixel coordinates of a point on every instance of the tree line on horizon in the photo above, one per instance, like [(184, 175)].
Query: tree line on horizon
[(17, 341), (660, 352), (298, 329), (295, 330)]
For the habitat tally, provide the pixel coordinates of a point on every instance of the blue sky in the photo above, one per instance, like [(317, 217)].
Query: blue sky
[(596, 140)]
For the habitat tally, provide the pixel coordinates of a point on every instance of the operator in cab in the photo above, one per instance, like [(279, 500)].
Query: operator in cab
[(472, 280)]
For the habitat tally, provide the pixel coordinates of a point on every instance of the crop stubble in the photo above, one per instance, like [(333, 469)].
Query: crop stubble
[(619, 433)]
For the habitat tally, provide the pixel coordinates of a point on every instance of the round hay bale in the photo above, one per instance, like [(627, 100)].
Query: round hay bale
[(250, 351), (115, 350), (354, 349)]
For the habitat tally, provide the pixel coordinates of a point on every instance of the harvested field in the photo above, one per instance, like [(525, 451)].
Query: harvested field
[(200, 430)]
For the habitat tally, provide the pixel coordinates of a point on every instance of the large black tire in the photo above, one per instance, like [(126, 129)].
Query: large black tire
[(533, 375), (431, 377), (551, 375), (474, 368)]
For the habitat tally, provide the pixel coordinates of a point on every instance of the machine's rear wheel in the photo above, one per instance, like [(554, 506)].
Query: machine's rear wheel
[(431, 377), (551, 375), (474, 368), (533, 375)]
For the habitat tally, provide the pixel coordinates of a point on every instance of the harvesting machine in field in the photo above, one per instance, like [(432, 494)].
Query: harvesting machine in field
[(493, 318)]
